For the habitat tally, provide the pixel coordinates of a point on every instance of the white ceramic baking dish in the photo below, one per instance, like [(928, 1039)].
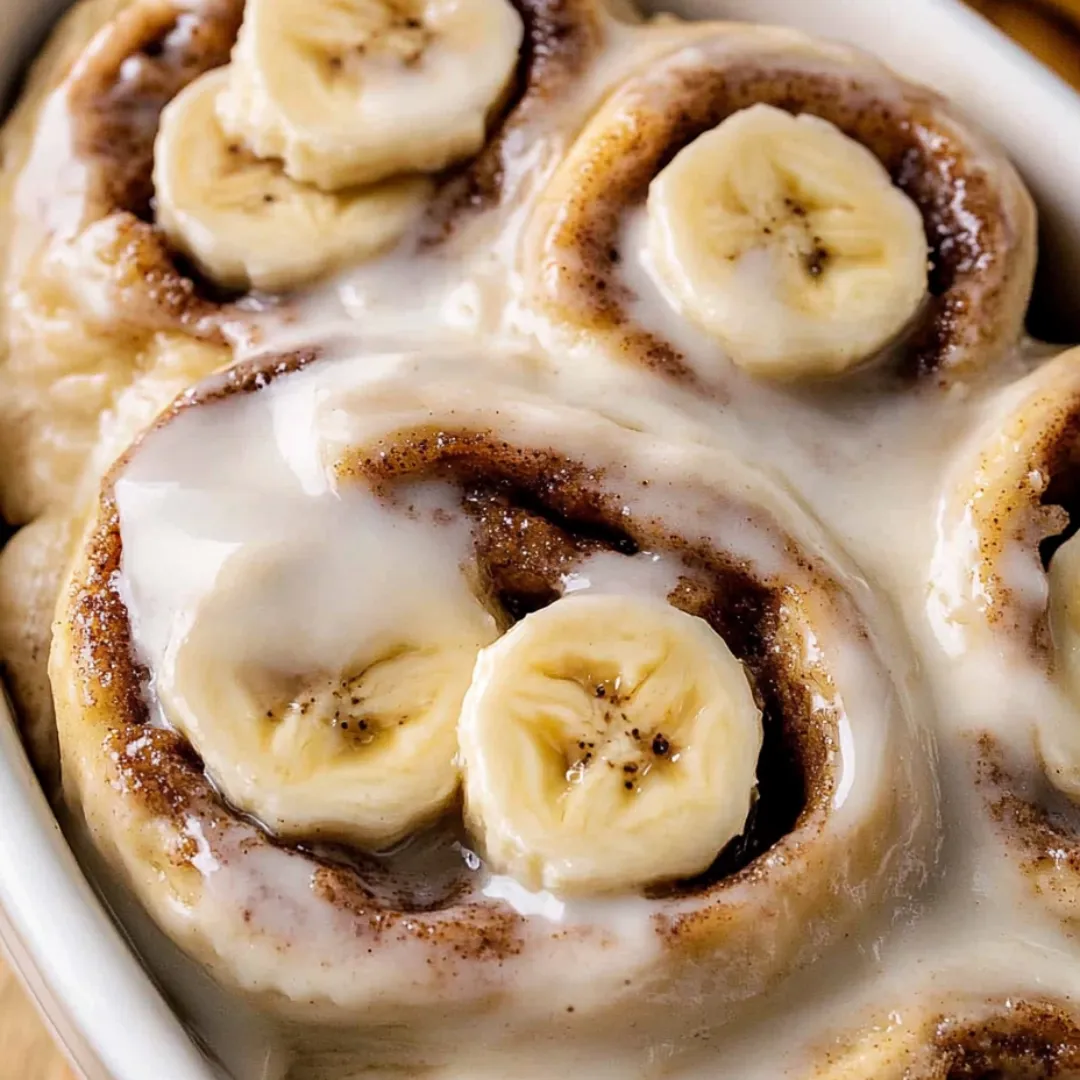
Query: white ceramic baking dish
[(101, 1002)]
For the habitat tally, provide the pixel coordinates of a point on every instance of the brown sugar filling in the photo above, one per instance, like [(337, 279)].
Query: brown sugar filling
[(1033, 1042), (561, 36), (116, 98), (504, 490), (558, 507), (118, 102), (964, 220)]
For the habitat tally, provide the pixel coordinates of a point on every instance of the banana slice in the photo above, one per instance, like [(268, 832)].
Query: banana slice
[(244, 223), (362, 752), (608, 742), (788, 241), (352, 91)]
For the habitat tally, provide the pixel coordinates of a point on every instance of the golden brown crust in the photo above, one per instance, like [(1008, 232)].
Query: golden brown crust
[(31, 570)]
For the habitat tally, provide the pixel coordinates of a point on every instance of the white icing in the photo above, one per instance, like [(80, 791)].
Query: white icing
[(219, 480), (223, 483), (645, 574)]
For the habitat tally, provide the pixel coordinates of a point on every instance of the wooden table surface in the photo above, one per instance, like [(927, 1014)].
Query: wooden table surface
[(26, 1048), (1049, 28)]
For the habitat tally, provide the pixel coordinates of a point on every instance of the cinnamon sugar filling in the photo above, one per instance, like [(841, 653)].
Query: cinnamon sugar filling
[(117, 102), (1032, 1042), (156, 52), (148, 56), (1037, 821), (506, 491), (561, 36), (965, 220)]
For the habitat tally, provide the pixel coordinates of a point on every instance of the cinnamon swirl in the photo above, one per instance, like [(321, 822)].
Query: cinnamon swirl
[(800, 203), (563, 532), (1032, 1039), (292, 632)]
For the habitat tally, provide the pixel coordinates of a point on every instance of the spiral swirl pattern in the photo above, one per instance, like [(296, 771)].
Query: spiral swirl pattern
[(621, 599), (976, 215), (827, 836)]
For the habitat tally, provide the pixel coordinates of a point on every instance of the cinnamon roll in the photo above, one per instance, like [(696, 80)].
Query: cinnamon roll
[(1002, 602), (802, 207), (423, 659), (434, 691)]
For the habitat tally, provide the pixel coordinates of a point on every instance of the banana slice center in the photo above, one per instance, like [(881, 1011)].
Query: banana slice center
[(347, 37), (610, 732), (608, 742), (788, 241), (341, 714)]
